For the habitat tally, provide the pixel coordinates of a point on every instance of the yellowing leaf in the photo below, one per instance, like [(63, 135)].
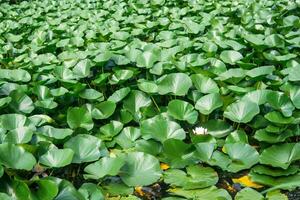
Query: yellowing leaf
[(223, 149), (245, 181), (139, 191)]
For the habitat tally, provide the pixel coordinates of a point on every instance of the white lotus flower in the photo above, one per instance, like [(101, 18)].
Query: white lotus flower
[(200, 131)]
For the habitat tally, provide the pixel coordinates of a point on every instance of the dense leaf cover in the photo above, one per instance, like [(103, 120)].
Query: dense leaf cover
[(149, 99)]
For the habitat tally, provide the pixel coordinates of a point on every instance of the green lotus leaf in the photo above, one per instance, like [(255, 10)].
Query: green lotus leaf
[(281, 155), (204, 84), (237, 136), (103, 110), (217, 128), (91, 94), (82, 68), (103, 57), (15, 157), (293, 71), (206, 193), (282, 102), (39, 120), (243, 156), (194, 178), (209, 103), (284, 182), (230, 56), (241, 111), (275, 172), (126, 116), (86, 148), (17, 189), (256, 39), (161, 129), (5, 196), (276, 195), (178, 153), (277, 118), (258, 96), (105, 166), (77, 41), (79, 118), (64, 74), (192, 27), (55, 157), (16, 75), (42, 92), (147, 59), (121, 75), (248, 194), (57, 133), (119, 95), (176, 83), (135, 101), (13, 38), (101, 79), (59, 91), (47, 189), (12, 121), (234, 75), (182, 110), (19, 135), (66, 190), (4, 101), (21, 102), (110, 130), (148, 146), (118, 189), (210, 47), (91, 191), (295, 96), (260, 71), (263, 135), (126, 139), (205, 150), (140, 169), (275, 40), (47, 104), (147, 86)]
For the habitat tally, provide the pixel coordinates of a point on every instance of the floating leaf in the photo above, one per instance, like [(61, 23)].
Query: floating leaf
[(176, 83), (195, 177), (55, 157), (206, 193), (79, 117), (105, 166), (230, 57), (12, 121), (241, 111), (280, 155), (57, 133), (15, 157), (248, 194), (209, 103), (86, 148), (103, 110), (161, 129), (140, 169), (182, 110), (204, 84)]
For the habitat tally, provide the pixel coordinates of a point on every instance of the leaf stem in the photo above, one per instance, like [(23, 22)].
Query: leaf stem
[(153, 100)]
